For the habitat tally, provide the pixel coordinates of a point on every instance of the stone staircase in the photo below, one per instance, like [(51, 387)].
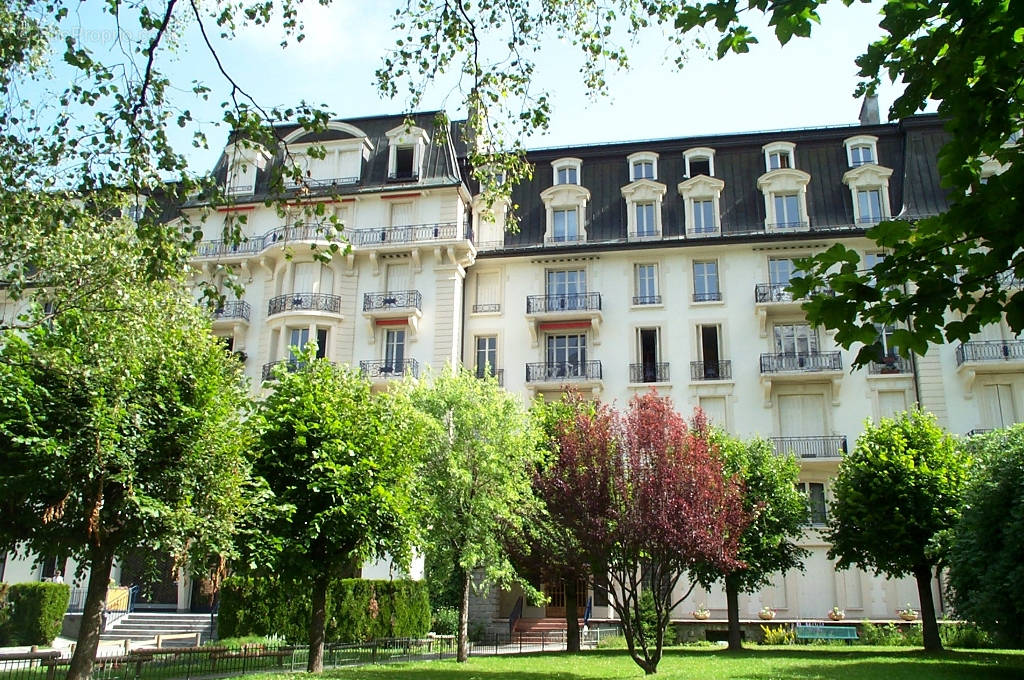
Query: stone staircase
[(547, 626), (142, 625)]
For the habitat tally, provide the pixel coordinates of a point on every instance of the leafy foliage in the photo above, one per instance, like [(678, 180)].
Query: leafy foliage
[(896, 498), (476, 479), (986, 563), (777, 635), (33, 613), (357, 609)]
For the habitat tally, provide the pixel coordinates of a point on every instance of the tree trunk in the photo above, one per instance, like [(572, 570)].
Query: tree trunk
[(930, 628), (317, 624), (463, 653), (572, 621), (100, 563), (732, 597)]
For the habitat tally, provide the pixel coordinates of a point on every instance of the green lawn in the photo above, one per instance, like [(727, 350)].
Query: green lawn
[(761, 663)]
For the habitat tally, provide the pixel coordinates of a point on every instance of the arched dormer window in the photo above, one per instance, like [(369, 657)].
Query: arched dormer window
[(861, 150), (566, 212), (245, 159), (869, 191), (779, 156), (699, 161), (702, 197), (407, 145), (643, 208), (567, 170), (642, 165)]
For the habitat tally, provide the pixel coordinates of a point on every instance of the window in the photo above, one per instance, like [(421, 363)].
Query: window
[(404, 159), (815, 494), (705, 282), (787, 211), (781, 271), (645, 225), (394, 351), (297, 339), (488, 293), (861, 150), (566, 356), (797, 339), (567, 170), (699, 161), (704, 217), (710, 366), (884, 342), (486, 355), (568, 284), (643, 170), (779, 159), (869, 205), (647, 285), (566, 225), (647, 369), (406, 148), (642, 165), (779, 156)]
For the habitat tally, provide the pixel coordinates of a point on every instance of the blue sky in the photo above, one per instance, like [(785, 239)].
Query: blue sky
[(807, 83)]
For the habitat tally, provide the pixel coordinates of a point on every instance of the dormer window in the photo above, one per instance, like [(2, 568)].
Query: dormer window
[(567, 170), (643, 198), (700, 161), (407, 148), (869, 193), (861, 150), (642, 165), (701, 194), (779, 156), (244, 160)]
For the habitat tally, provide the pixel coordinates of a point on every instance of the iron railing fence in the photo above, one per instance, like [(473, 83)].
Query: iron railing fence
[(567, 371), (218, 248), (646, 300), (777, 292), (396, 299), (648, 372), (811, 447), (989, 350), (711, 370), (413, 233), (390, 369), (977, 431), (321, 183), (710, 296), (306, 302), (488, 308), (233, 309), (496, 373), (290, 366), (889, 364), (809, 361), (564, 302), (184, 663)]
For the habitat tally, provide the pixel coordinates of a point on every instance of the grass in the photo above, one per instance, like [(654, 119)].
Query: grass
[(761, 663)]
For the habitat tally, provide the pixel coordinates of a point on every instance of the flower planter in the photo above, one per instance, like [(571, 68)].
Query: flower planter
[(702, 616), (837, 616), (766, 616), (907, 616)]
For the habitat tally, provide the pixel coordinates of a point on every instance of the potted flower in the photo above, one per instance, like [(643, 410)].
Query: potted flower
[(766, 613), (908, 613), (701, 613), (836, 614)]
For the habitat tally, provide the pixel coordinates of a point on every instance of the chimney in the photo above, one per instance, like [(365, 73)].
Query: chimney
[(869, 110)]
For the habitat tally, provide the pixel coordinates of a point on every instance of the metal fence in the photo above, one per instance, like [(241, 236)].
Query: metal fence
[(567, 371), (184, 663), (565, 302), (830, 446), (811, 361), (990, 350)]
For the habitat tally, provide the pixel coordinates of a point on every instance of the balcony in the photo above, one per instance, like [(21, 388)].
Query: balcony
[(413, 233), (774, 298), (715, 296), (890, 365), (393, 308), (710, 370), (488, 308), (304, 302), (496, 373), (641, 300), (290, 366), (302, 232), (385, 370), (801, 368), (320, 183), (559, 374), (564, 312), (813, 448), (988, 356), (648, 373), (226, 250), (232, 312)]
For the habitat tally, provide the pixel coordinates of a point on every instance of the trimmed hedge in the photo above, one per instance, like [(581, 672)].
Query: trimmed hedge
[(32, 613), (357, 609)]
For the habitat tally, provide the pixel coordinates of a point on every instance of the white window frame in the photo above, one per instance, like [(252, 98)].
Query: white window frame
[(244, 160), (701, 188), (565, 237), (639, 157), (805, 489), (487, 352), (706, 293), (403, 137), (646, 298), (567, 164), (868, 177), (637, 193), (565, 197), (700, 153), (779, 149), (784, 182), (861, 141)]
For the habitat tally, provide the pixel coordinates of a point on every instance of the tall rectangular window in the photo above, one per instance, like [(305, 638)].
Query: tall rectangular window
[(787, 210), (781, 270), (703, 217), (486, 355), (566, 282), (566, 225), (647, 285), (299, 337), (394, 351), (705, 281), (795, 339), (645, 225), (815, 494), (567, 355), (648, 353), (869, 206)]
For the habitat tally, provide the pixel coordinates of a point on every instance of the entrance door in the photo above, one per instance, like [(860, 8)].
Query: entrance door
[(556, 598), (156, 577)]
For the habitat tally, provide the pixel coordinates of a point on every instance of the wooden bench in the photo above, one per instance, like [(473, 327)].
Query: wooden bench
[(822, 632)]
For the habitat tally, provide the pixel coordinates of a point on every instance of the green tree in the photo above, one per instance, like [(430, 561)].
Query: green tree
[(778, 514), (340, 463), (964, 54), (895, 500), (120, 429), (986, 562), (476, 480)]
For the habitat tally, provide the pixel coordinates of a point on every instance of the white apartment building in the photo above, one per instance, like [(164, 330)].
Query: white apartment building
[(636, 265)]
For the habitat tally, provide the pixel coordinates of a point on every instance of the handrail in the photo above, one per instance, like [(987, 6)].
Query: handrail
[(517, 613), (563, 371), (804, 361), (989, 350)]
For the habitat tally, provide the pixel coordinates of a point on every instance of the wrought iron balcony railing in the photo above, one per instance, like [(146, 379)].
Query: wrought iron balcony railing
[(225, 248), (565, 302), (711, 370), (889, 364), (990, 350), (567, 371), (811, 447), (413, 233), (306, 231), (648, 373), (390, 369), (398, 299), (811, 361), (290, 366), (233, 309), (290, 182), (404, 176), (978, 430), (496, 373), (305, 302), (488, 308), (789, 225), (646, 300), (776, 292), (715, 296)]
